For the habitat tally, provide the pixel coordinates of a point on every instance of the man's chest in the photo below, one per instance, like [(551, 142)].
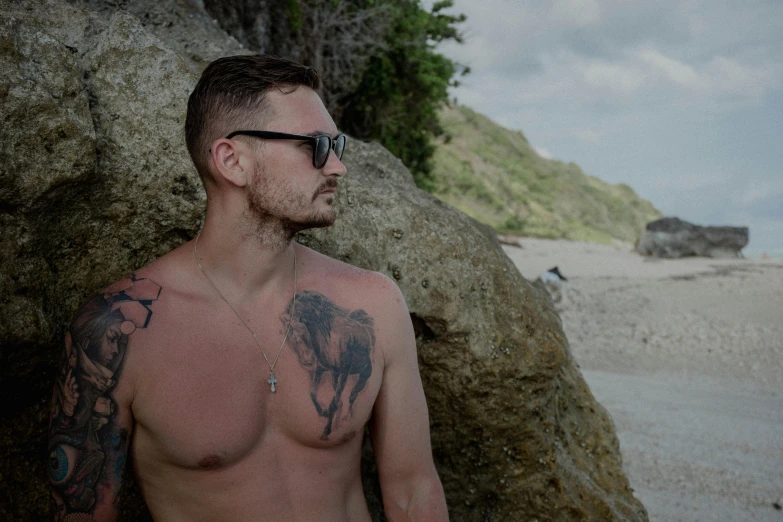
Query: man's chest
[(204, 388)]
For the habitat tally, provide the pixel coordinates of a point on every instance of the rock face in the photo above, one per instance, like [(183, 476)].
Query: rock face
[(95, 181), (671, 237)]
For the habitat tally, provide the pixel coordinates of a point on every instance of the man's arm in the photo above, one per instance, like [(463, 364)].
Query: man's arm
[(400, 431), (91, 420)]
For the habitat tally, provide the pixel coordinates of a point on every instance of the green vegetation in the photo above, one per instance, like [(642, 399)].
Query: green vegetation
[(495, 176), (397, 99)]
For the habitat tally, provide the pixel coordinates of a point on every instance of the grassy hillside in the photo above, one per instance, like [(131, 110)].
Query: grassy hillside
[(494, 175)]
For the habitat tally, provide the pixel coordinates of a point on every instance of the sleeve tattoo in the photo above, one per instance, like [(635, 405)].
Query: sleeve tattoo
[(87, 447)]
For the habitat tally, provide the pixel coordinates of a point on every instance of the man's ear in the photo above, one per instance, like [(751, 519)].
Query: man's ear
[(232, 161)]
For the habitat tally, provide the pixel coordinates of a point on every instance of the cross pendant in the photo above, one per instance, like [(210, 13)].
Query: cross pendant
[(272, 381)]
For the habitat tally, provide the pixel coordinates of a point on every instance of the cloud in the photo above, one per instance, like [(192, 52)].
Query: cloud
[(543, 152), (612, 78), (612, 48), (731, 76), (752, 195), (695, 182), (761, 199), (675, 71), (575, 13), (587, 135), (770, 207)]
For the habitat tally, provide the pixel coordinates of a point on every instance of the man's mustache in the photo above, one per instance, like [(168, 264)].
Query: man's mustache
[(328, 184)]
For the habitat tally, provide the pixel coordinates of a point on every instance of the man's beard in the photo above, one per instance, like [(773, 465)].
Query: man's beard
[(273, 209)]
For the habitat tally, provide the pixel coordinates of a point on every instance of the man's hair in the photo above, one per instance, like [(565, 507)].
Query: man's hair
[(231, 95)]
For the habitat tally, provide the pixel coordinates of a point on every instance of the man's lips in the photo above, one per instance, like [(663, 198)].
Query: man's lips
[(328, 188)]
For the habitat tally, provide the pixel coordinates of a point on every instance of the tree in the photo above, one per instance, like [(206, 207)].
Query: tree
[(335, 37), (403, 86)]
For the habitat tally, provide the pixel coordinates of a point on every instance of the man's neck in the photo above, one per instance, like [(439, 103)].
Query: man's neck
[(245, 259)]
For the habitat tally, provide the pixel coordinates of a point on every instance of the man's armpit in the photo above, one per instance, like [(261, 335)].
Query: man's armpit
[(87, 445)]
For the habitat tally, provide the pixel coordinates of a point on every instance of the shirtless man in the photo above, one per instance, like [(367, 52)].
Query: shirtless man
[(240, 370)]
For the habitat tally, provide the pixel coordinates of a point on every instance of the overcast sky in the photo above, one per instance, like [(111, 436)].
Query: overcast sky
[(680, 99)]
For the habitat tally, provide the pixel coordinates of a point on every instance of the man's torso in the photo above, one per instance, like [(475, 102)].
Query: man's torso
[(211, 440)]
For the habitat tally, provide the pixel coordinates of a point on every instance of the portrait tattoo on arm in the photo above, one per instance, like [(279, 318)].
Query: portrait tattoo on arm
[(87, 447), (331, 342)]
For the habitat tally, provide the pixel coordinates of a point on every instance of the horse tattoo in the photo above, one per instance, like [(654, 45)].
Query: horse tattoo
[(329, 339)]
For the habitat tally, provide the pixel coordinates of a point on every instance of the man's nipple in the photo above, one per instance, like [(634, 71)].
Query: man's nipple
[(211, 462)]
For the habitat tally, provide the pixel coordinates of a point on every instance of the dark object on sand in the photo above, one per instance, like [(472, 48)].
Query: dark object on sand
[(556, 271), (672, 237), (552, 275)]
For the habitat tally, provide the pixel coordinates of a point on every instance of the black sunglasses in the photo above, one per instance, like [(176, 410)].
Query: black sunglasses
[(321, 144)]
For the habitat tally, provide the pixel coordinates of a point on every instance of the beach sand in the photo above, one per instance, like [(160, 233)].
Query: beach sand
[(687, 357)]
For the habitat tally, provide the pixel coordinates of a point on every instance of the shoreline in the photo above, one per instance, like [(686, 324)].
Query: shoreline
[(687, 357)]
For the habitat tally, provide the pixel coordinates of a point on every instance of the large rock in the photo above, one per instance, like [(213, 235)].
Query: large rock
[(95, 181), (672, 237), (184, 25)]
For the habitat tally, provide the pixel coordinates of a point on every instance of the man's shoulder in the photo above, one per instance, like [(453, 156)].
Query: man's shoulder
[(173, 269), (142, 293), (352, 283), (359, 293), (143, 285)]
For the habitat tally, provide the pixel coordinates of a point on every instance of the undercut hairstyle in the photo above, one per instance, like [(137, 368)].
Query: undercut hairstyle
[(231, 95)]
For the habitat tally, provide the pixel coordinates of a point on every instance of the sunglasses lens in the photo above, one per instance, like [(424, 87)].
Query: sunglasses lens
[(321, 151), (339, 146)]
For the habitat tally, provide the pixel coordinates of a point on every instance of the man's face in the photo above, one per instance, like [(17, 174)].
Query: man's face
[(285, 185)]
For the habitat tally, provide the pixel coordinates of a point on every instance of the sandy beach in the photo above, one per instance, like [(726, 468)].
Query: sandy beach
[(687, 356)]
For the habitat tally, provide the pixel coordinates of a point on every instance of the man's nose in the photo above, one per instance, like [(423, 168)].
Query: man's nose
[(334, 166)]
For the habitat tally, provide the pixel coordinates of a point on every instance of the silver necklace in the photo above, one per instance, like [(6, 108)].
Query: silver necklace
[(272, 380)]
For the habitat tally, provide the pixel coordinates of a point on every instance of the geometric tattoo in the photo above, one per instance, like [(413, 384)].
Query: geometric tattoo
[(86, 447), (329, 340)]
